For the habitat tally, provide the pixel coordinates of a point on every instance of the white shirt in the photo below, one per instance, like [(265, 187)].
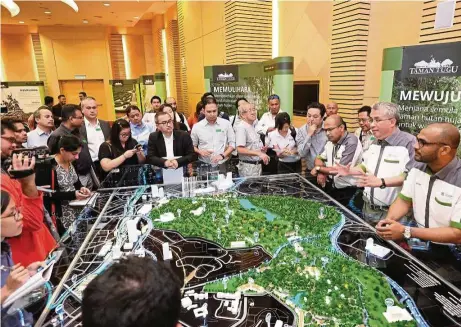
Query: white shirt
[(95, 137), (274, 139), (169, 146), (37, 138), (213, 137), (444, 199), (267, 120), (149, 118)]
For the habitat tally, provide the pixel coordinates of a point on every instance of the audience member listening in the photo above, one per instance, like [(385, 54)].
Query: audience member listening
[(236, 119), (331, 109), (121, 149), (139, 130), (431, 190), (44, 125), (57, 110), (36, 241), (12, 276), (266, 123), (64, 180), (149, 117), (133, 292), (174, 145), (206, 96), (94, 132), (179, 117), (20, 133), (82, 96), (49, 102), (364, 132), (250, 148), (283, 141), (169, 110), (311, 138), (193, 119)]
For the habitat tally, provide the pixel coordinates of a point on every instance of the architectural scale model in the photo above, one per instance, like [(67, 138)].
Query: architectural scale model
[(273, 251)]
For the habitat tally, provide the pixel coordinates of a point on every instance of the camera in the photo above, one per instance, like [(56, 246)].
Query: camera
[(43, 161)]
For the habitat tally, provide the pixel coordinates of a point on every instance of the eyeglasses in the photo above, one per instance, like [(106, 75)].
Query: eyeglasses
[(125, 134), (9, 139), (331, 128), (165, 123), (376, 121), (16, 215), (365, 120), (422, 143)]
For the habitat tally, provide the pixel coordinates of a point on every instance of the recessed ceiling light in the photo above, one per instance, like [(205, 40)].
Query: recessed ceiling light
[(21, 22), (48, 12), (85, 21), (136, 17), (106, 4)]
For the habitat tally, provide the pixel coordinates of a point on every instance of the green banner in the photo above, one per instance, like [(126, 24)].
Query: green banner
[(124, 93), (26, 96), (255, 82), (425, 80), (150, 85)]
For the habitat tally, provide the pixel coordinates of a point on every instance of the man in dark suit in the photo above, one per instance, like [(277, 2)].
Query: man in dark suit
[(93, 131), (57, 110), (169, 143)]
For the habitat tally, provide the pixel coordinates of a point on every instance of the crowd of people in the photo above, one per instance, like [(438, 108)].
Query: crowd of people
[(407, 186)]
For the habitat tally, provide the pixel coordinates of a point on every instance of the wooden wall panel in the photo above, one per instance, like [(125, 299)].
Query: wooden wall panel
[(248, 31), (349, 42), (183, 98), (429, 35), (117, 56)]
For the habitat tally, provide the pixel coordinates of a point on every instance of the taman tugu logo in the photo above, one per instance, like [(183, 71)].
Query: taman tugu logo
[(434, 67), (226, 77)]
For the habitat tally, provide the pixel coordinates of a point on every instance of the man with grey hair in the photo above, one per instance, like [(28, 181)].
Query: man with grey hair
[(39, 136), (385, 164), (250, 148)]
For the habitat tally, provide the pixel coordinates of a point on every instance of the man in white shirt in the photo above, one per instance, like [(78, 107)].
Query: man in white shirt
[(45, 123), (250, 148), (432, 190), (364, 132), (331, 109), (267, 122), (180, 118), (94, 131), (149, 117), (213, 137)]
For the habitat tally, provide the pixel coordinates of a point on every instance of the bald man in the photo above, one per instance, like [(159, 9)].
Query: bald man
[(432, 189), (180, 118), (342, 148), (332, 109)]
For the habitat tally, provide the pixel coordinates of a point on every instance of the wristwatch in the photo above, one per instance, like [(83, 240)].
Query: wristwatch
[(223, 157), (407, 232), (383, 184)]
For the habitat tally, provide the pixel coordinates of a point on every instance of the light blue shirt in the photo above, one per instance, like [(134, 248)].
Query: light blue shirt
[(141, 134), (37, 137)]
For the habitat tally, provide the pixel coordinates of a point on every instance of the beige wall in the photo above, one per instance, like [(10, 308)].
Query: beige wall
[(204, 43), (387, 30)]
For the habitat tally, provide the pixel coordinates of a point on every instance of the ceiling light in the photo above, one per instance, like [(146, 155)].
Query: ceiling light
[(71, 3), (106, 4), (48, 12), (21, 22), (11, 6), (85, 21), (136, 17)]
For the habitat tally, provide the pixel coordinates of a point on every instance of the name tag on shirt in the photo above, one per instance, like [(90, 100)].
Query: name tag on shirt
[(98, 129), (218, 130)]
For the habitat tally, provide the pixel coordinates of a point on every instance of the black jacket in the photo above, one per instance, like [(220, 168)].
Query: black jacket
[(182, 146), (57, 114)]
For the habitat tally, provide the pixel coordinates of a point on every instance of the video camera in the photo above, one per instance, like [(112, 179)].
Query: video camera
[(43, 161)]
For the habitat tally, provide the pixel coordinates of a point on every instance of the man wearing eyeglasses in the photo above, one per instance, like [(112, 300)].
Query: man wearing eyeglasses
[(311, 138), (364, 132), (94, 132), (35, 241), (385, 164), (169, 148), (432, 190), (342, 148)]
